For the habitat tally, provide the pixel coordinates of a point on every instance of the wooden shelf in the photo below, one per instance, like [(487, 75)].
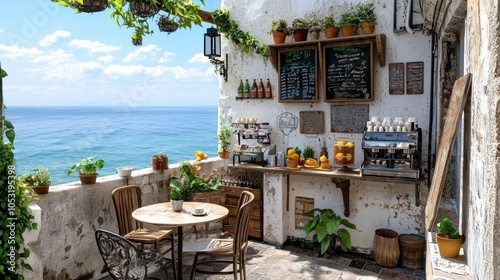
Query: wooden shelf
[(379, 40)]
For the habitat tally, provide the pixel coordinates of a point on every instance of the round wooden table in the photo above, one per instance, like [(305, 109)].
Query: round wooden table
[(162, 214)]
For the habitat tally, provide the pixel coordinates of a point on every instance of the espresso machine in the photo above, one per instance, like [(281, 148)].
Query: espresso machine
[(392, 154)]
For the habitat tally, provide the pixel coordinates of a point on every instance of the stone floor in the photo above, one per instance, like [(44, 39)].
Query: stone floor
[(292, 262)]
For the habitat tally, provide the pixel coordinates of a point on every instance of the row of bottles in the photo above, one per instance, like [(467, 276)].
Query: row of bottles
[(245, 91)]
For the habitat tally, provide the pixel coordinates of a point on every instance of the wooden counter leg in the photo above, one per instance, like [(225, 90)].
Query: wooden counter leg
[(343, 185)]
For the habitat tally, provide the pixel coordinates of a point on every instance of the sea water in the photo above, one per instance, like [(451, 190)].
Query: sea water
[(58, 137)]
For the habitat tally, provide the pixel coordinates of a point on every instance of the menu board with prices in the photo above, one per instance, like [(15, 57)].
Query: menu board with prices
[(298, 74)]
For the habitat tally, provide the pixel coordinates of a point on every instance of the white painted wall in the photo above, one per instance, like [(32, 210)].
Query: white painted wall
[(384, 209)]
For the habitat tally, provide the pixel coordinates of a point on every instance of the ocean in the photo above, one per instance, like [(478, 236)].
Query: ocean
[(58, 137)]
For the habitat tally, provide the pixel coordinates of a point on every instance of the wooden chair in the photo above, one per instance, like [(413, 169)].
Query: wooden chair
[(126, 199), (125, 261), (221, 249)]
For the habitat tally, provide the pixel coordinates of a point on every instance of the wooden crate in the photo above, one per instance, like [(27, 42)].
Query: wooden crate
[(231, 202)]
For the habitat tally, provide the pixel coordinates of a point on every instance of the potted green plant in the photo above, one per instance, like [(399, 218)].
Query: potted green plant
[(192, 183), (279, 30), (299, 27), (166, 24), (367, 18), (314, 27), (89, 6), (331, 29), (448, 239), (348, 23), (163, 159), (224, 138), (144, 8), (87, 169), (39, 181), (329, 227), (176, 198)]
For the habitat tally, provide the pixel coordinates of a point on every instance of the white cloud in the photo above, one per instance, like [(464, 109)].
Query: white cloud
[(166, 57), (14, 52), (52, 38), (141, 53), (58, 56), (198, 58), (106, 58), (1, 30), (178, 72), (93, 46)]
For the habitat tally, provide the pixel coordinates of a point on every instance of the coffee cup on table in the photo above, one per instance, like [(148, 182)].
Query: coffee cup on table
[(199, 210)]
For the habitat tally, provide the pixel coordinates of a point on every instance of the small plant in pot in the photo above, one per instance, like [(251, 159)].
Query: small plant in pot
[(329, 227), (331, 29), (87, 170), (367, 18), (315, 26), (224, 138), (166, 24), (449, 240), (176, 198), (349, 23), (39, 181), (162, 157), (300, 29), (279, 30)]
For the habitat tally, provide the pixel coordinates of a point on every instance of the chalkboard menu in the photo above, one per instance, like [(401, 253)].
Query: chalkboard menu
[(415, 77), (297, 74), (348, 71)]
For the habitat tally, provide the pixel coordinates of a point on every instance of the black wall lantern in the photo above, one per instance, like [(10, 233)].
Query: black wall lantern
[(212, 51)]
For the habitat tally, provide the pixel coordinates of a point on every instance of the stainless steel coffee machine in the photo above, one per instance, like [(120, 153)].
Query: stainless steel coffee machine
[(392, 154)]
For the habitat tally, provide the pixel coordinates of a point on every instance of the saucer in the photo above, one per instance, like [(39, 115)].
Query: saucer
[(201, 214)]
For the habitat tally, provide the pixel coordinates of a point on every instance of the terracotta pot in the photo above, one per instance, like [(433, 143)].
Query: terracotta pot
[(300, 35), (156, 163), (349, 30), (163, 162), (41, 189), (176, 205), (331, 32), (224, 155), (367, 27), (293, 163), (279, 37), (88, 179), (386, 247), (449, 248)]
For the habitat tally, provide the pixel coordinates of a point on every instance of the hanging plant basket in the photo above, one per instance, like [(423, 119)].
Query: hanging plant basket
[(143, 9), (137, 42), (165, 24), (91, 6)]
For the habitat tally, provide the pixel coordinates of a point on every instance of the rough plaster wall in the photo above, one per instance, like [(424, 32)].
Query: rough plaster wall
[(482, 45), (255, 17)]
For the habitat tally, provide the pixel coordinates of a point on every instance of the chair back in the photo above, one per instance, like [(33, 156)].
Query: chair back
[(126, 199), (122, 259), (245, 206)]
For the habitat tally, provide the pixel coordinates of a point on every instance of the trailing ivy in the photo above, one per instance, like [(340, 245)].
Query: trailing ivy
[(15, 217), (232, 31)]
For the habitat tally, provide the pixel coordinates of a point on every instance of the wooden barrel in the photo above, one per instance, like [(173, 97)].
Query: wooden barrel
[(412, 250), (386, 247)]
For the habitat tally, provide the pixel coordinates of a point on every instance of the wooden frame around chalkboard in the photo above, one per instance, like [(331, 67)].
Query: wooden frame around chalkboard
[(283, 63), (329, 68)]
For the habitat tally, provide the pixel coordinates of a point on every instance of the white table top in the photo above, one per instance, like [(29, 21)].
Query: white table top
[(162, 214)]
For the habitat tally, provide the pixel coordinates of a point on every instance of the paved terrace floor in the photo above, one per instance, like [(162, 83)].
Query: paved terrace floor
[(292, 262)]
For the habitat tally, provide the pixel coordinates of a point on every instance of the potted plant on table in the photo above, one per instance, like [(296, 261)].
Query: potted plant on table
[(448, 239), (348, 23), (279, 30), (300, 26), (367, 18), (224, 136), (331, 30), (329, 227), (87, 170), (176, 198), (39, 181), (195, 186)]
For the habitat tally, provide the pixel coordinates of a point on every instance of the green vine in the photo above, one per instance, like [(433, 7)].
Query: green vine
[(15, 216), (232, 31)]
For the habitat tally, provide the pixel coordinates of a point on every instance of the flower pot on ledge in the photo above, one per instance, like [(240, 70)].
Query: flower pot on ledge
[(41, 189), (449, 248), (88, 179), (279, 37)]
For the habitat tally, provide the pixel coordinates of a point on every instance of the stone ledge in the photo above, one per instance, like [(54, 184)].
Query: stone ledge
[(438, 267)]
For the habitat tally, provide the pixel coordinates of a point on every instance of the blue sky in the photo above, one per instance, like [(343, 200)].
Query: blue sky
[(55, 57)]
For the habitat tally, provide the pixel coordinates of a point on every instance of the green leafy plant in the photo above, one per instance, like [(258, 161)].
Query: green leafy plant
[(298, 151), (329, 21), (300, 23), (16, 216), (189, 180), (87, 166), (366, 13), (279, 25), (315, 25), (349, 18), (230, 28), (309, 152), (224, 136), (40, 177), (328, 225), (446, 227), (176, 193)]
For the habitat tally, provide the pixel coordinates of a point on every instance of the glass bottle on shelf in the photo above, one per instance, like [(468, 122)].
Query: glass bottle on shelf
[(268, 89), (246, 90), (261, 91), (240, 89), (254, 89)]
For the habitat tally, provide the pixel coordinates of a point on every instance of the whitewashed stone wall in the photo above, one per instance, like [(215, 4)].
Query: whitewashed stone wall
[(373, 205)]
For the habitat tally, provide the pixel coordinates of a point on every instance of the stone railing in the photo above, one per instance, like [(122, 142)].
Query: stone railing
[(64, 245)]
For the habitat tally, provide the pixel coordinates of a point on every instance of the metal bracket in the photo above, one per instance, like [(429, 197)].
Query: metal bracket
[(343, 185)]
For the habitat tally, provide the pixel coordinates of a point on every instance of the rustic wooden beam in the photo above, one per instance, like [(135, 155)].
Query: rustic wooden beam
[(206, 16)]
